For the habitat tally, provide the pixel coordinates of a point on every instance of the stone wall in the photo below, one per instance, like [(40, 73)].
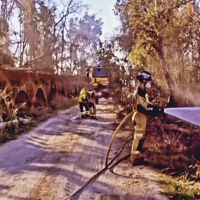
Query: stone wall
[(37, 89)]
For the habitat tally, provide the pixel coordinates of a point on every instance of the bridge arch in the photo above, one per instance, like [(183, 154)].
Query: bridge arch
[(40, 99), (36, 89), (22, 97)]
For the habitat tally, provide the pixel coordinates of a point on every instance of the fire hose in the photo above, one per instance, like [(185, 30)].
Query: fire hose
[(108, 165), (114, 135)]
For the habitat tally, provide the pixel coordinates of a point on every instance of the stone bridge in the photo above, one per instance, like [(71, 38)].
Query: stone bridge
[(36, 89)]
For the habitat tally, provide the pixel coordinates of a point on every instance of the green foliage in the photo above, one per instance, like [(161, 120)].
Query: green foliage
[(163, 38), (139, 54), (179, 189)]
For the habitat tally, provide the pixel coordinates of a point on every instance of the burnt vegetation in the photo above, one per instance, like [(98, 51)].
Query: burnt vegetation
[(171, 145), (162, 39)]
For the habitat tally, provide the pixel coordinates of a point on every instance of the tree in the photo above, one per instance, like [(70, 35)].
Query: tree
[(122, 35), (41, 41), (83, 37), (150, 24), (6, 12)]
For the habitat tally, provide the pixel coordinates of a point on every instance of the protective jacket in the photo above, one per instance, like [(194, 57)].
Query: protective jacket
[(82, 96), (92, 97), (140, 99), (143, 105)]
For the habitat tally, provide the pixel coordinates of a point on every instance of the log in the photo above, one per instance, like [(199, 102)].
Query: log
[(20, 120)]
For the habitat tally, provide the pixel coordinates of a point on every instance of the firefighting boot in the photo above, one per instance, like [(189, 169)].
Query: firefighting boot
[(134, 156), (137, 159), (83, 116)]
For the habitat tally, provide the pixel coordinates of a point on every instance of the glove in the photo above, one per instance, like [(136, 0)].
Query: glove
[(155, 110), (158, 110)]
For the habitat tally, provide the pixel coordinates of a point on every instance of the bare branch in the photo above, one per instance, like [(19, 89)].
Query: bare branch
[(19, 4), (70, 9)]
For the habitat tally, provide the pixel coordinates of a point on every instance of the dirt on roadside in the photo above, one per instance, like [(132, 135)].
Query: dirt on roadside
[(56, 160)]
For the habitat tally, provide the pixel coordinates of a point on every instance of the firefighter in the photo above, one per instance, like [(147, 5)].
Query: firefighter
[(83, 102), (143, 108), (92, 101)]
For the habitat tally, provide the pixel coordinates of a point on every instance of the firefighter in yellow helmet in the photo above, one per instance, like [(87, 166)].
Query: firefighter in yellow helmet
[(143, 108), (83, 102)]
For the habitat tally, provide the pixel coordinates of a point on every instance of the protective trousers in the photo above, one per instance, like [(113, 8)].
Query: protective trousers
[(82, 106), (140, 121), (92, 109)]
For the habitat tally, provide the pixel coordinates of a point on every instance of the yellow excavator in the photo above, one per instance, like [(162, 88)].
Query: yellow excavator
[(100, 80)]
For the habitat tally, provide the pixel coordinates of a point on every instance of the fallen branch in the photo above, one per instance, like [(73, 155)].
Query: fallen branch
[(18, 121), (177, 128)]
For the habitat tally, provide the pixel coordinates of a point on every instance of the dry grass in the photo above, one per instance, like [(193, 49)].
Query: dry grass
[(63, 103), (38, 115), (171, 146), (177, 188)]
